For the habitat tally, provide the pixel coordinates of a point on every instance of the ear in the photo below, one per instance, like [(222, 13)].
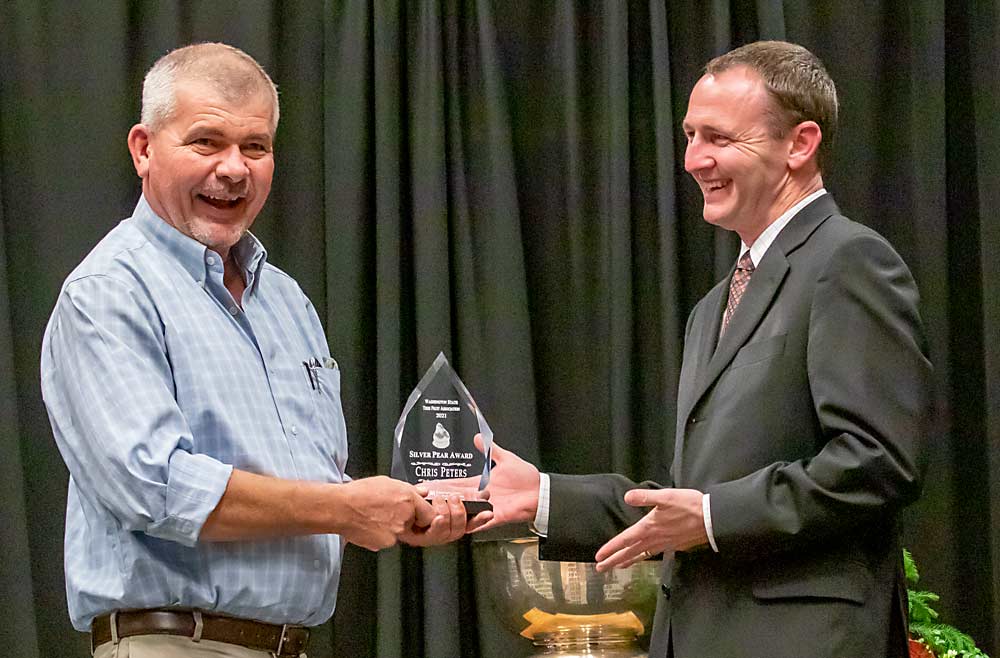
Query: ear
[(138, 146), (805, 141)]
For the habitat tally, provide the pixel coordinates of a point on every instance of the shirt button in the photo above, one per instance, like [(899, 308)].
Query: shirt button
[(210, 260), (295, 429), (233, 310)]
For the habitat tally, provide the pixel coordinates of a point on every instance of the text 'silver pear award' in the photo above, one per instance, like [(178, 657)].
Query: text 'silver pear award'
[(433, 442)]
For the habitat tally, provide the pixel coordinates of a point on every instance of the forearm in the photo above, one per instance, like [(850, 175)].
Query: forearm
[(257, 506), (371, 512)]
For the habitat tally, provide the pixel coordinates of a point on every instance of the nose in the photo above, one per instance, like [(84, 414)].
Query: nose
[(232, 164), (696, 157)]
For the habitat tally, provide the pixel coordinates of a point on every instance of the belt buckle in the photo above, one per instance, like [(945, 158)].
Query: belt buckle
[(281, 640)]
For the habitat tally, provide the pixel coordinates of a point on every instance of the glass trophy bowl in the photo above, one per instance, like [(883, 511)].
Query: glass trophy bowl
[(567, 608)]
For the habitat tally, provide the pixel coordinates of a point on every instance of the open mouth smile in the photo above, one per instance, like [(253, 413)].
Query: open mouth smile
[(221, 201), (713, 186)]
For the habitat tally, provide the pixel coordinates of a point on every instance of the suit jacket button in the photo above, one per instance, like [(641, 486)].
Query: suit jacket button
[(665, 590)]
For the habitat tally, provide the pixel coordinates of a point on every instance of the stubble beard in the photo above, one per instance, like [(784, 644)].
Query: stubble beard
[(219, 241)]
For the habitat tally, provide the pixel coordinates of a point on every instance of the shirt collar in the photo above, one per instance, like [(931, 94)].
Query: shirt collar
[(761, 244), (191, 254)]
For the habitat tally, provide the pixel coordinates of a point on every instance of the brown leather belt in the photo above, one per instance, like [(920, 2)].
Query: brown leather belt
[(282, 640)]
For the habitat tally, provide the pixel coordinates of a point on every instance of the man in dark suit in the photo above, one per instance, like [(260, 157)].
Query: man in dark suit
[(802, 403)]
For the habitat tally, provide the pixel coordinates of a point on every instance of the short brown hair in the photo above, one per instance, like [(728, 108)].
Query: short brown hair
[(797, 82), (232, 72)]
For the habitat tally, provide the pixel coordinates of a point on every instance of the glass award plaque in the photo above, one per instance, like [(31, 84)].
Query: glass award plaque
[(433, 442)]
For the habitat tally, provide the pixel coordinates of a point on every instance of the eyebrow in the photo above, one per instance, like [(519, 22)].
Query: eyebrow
[(258, 137), (685, 126), (215, 132)]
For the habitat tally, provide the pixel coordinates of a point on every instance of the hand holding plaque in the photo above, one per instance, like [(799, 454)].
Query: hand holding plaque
[(433, 442)]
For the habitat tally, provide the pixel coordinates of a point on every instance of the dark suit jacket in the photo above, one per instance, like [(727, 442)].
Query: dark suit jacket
[(806, 424)]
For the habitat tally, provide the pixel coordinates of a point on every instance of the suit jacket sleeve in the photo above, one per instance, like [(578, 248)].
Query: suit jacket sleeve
[(870, 384)]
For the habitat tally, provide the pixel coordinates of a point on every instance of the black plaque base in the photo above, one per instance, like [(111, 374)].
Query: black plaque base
[(473, 507)]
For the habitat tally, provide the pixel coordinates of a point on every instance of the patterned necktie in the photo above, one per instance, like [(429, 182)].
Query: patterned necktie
[(744, 268)]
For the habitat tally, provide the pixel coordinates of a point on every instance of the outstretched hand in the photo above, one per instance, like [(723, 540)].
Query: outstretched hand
[(676, 523), (513, 489)]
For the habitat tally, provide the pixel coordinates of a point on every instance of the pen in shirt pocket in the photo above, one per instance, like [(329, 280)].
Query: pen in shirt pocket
[(314, 364), (309, 366)]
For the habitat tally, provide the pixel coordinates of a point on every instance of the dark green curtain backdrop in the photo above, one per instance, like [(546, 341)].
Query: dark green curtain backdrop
[(504, 181)]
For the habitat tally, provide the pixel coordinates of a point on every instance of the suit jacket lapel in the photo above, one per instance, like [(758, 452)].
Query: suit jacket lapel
[(716, 306), (704, 334), (760, 291), (699, 348)]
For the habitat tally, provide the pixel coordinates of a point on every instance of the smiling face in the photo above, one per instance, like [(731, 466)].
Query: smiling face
[(207, 171), (741, 167)]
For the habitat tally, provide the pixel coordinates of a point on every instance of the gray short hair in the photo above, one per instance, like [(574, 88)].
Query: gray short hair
[(235, 74)]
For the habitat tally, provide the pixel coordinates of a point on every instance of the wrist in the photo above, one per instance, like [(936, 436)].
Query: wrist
[(335, 502), (536, 498)]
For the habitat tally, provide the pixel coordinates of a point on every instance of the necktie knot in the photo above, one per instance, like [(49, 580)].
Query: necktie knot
[(737, 285)]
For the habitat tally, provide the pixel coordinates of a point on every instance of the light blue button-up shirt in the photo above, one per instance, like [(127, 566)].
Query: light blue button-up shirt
[(157, 385)]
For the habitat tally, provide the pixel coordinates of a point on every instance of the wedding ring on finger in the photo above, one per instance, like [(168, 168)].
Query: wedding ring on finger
[(646, 555)]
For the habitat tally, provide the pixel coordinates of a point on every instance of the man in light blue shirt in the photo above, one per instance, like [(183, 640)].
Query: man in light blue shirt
[(194, 399)]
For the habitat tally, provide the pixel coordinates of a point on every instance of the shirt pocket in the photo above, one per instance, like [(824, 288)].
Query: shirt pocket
[(328, 383), (328, 417)]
